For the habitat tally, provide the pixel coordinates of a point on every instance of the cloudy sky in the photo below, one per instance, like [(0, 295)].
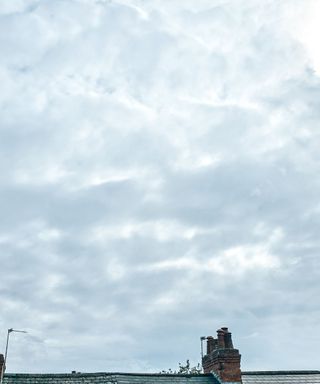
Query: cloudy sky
[(159, 179)]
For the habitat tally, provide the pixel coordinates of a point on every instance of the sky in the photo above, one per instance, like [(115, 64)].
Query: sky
[(159, 164)]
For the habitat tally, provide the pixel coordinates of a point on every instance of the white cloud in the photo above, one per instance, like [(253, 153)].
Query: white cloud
[(306, 29), (157, 161)]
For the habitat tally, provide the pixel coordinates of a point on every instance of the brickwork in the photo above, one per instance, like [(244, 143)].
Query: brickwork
[(222, 358)]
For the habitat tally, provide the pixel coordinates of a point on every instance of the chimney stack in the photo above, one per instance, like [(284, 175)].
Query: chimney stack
[(222, 358)]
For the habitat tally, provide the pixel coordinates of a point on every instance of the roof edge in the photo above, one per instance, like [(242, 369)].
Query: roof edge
[(303, 372), (84, 374)]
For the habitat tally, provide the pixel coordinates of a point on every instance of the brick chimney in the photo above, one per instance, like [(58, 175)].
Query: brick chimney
[(222, 358)]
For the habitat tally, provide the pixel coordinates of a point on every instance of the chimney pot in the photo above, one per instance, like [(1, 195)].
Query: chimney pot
[(228, 340), (221, 343), (210, 344)]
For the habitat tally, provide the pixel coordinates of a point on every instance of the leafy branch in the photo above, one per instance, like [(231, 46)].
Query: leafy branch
[(184, 370)]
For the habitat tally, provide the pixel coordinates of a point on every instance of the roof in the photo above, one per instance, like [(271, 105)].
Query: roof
[(108, 378), (259, 377), (281, 377)]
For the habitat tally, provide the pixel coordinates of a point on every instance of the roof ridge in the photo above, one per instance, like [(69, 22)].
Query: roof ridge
[(107, 374)]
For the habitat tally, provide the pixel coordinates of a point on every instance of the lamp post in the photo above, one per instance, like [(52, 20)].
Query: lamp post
[(6, 352)]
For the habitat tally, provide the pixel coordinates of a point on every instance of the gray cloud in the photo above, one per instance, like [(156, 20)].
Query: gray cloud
[(158, 173)]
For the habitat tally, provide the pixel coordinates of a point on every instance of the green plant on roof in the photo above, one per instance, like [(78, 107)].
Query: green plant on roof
[(184, 369)]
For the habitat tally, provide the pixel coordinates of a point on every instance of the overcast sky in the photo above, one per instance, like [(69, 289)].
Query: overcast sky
[(159, 179)]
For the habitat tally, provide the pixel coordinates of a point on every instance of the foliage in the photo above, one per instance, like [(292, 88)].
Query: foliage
[(184, 369)]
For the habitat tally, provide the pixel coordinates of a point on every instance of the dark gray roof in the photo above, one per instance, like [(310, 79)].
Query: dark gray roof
[(262, 377), (108, 378), (281, 377)]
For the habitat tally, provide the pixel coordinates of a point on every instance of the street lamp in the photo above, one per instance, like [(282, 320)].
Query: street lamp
[(6, 352)]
